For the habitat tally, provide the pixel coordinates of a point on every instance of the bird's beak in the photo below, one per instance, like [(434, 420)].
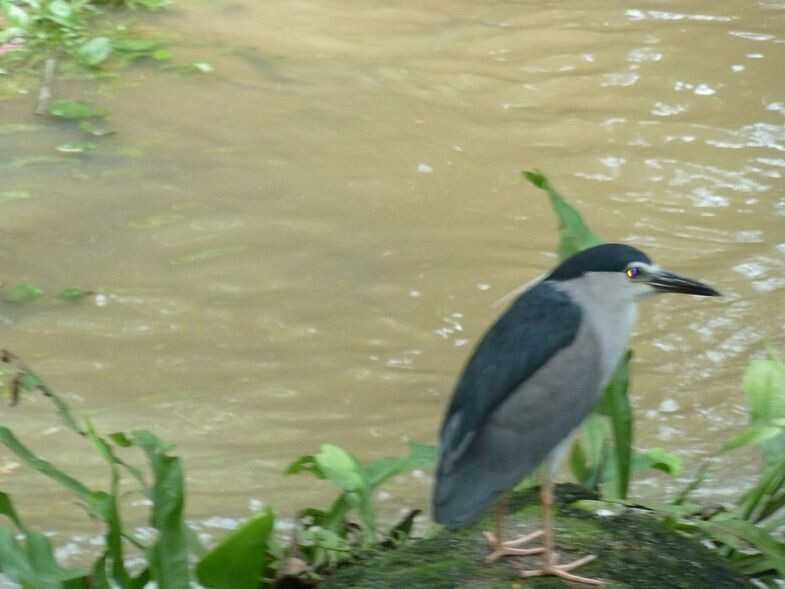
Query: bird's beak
[(664, 281)]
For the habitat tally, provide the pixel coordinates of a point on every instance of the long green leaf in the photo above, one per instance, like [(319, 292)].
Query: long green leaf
[(168, 557), (7, 509), (594, 432), (766, 496), (31, 382), (43, 560), (579, 465), (13, 560), (574, 234), (34, 564), (99, 578), (752, 435), (97, 502), (740, 535), (382, 470), (617, 404), (241, 559)]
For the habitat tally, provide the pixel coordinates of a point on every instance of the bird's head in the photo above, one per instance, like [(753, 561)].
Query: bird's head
[(629, 270)]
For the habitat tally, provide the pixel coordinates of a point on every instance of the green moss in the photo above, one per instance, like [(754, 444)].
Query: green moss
[(634, 550)]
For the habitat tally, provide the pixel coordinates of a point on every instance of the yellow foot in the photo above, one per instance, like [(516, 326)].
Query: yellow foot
[(510, 547), (563, 571)]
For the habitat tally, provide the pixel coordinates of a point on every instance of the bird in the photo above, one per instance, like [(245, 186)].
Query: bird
[(532, 379)]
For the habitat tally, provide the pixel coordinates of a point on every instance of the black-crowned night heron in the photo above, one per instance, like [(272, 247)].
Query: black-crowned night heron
[(534, 377)]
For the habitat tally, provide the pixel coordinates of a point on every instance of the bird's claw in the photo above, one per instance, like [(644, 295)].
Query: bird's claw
[(563, 571), (510, 547)]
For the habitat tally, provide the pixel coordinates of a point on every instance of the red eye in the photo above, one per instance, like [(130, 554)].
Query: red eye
[(632, 272)]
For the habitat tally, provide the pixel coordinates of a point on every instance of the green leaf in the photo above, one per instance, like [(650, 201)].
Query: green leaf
[(32, 564), (43, 560), (73, 294), (742, 535), (574, 234), (168, 557), (341, 468), (151, 4), (161, 55), (241, 559), (23, 293), (59, 8), (594, 433), (331, 548), (752, 435), (134, 45), (768, 494), (658, 459), (99, 578), (61, 12), (98, 502), (420, 457), (306, 463), (15, 562), (579, 465), (402, 531), (764, 383), (7, 509), (121, 439), (72, 109), (16, 14), (94, 51), (617, 404)]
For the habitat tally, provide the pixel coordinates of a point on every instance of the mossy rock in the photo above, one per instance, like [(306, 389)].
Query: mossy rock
[(633, 548)]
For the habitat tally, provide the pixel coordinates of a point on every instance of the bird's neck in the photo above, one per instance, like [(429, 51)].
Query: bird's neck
[(608, 312)]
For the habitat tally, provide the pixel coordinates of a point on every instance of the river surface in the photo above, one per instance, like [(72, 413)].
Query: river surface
[(304, 245)]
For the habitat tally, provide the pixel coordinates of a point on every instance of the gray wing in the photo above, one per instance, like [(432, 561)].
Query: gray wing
[(511, 407)]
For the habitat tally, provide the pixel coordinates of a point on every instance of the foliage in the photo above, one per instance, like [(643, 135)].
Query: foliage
[(74, 36), (37, 27), (246, 558), (749, 533), (604, 458), (72, 109), (33, 564), (28, 292), (331, 536), (245, 552)]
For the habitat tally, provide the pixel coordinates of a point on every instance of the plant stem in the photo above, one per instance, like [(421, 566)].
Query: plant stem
[(45, 94)]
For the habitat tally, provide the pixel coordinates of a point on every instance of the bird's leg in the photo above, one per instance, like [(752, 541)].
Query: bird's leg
[(500, 548), (550, 566)]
